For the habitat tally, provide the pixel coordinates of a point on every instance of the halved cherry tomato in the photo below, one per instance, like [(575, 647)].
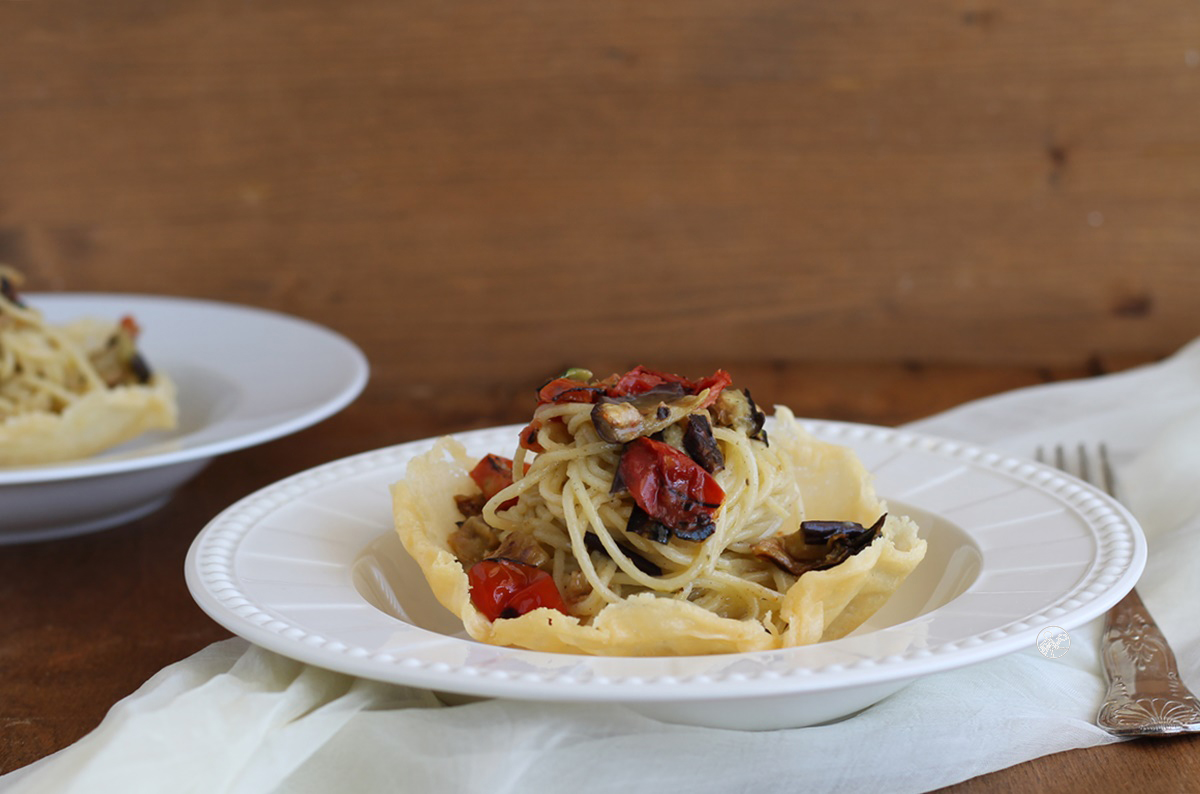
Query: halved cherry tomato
[(715, 383), (529, 436), (567, 390), (504, 588), (559, 390), (671, 488), (493, 474)]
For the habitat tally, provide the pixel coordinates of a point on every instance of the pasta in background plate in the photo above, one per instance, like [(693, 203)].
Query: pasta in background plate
[(72, 391), (648, 514)]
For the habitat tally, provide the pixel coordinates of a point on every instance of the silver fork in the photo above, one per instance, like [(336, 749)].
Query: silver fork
[(1145, 694)]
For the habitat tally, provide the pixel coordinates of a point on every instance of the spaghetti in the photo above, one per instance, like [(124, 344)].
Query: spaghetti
[(71, 391), (665, 519)]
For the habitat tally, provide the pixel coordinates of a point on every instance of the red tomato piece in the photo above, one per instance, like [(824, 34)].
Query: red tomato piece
[(129, 324), (567, 390), (715, 383), (529, 436), (671, 487), (503, 588), (493, 474)]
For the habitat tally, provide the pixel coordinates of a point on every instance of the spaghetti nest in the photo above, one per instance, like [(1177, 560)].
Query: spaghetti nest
[(637, 534), (71, 391)]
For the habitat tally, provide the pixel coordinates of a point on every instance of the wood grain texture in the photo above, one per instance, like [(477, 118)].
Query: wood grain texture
[(865, 210), (484, 192)]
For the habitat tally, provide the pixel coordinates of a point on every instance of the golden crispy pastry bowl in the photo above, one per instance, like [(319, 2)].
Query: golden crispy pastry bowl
[(821, 605), (97, 421)]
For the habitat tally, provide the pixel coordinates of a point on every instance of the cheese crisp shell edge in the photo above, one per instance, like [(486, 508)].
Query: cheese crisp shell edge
[(95, 422)]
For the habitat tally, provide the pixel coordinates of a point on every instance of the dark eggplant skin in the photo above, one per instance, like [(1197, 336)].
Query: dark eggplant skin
[(140, 369), (640, 523), (699, 444), (758, 420), (9, 290), (701, 529), (818, 545), (821, 532)]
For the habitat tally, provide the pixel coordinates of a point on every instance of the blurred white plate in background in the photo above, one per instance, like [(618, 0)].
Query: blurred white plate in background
[(244, 376)]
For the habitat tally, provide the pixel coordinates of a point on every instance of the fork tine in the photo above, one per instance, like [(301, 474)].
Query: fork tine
[(1109, 482), (1091, 468), (1085, 470), (1056, 457)]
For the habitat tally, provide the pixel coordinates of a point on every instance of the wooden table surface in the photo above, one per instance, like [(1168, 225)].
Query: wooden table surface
[(87, 620), (866, 210)]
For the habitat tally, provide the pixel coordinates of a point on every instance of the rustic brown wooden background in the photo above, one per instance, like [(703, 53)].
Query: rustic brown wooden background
[(865, 209), (479, 193)]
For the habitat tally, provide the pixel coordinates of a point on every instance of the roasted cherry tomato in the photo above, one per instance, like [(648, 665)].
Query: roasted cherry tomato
[(715, 383), (573, 387), (567, 390), (529, 436), (493, 474), (503, 588), (671, 488)]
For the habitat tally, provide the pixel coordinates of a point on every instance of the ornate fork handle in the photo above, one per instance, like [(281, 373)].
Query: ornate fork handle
[(1145, 694)]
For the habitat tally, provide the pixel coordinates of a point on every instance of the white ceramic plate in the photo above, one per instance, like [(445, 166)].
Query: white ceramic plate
[(311, 568), (244, 376)]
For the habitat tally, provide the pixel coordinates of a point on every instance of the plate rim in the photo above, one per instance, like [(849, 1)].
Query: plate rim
[(230, 608), (350, 353)]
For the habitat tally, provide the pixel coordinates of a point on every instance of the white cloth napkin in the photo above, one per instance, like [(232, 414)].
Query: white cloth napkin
[(235, 718)]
